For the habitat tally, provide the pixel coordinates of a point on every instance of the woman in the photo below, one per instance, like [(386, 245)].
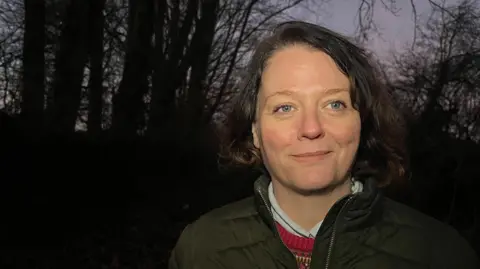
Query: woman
[(314, 114)]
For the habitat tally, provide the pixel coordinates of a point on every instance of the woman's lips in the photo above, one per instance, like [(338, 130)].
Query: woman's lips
[(311, 156)]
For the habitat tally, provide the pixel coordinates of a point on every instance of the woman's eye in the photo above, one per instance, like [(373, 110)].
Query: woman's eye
[(284, 108), (336, 105)]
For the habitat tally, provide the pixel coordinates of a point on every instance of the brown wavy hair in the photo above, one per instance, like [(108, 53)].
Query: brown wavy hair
[(382, 151)]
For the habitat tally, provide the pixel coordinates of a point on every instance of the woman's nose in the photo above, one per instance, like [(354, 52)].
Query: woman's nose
[(310, 126)]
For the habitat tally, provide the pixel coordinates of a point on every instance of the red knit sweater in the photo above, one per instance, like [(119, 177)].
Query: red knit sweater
[(300, 246)]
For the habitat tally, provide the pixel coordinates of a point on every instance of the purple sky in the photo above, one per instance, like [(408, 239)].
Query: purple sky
[(396, 30)]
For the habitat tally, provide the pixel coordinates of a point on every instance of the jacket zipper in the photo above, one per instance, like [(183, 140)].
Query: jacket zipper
[(332, 237), (334, 232), (271, 214)]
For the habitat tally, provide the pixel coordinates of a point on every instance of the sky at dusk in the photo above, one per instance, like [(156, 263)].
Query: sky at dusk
[(396, 31)]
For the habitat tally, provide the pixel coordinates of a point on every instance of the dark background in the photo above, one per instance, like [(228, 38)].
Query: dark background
[(111, 113)]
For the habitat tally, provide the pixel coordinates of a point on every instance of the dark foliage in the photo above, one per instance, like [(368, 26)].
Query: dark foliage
[(75, 202)]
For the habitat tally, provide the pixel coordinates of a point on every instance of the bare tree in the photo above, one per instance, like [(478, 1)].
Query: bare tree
[(128, 102), (33, 65), (96, 55), (170, 63), (70, 60), (436, 81), (11, 47), (194, 58), (441, 73)]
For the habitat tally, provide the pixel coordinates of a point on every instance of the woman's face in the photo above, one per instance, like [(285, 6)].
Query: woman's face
[(306, 127)]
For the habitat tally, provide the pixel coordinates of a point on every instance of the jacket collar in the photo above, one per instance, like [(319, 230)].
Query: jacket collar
[(357, 210)]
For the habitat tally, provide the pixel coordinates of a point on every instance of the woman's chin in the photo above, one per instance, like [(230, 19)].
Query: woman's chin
[(317, 184), (314, 186)]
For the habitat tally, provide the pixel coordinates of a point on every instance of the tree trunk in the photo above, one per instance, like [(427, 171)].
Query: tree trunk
[(69, 69), (169, 76), (128, 105), (95, 98), (202, 45), (33, 98)]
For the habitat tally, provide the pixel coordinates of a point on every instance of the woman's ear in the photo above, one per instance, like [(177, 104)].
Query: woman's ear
[(256, 141)]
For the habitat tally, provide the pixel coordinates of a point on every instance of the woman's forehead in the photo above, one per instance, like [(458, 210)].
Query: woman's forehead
[(299, 68)]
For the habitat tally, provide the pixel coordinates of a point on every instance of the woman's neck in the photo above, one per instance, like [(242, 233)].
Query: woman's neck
[(308, 210)]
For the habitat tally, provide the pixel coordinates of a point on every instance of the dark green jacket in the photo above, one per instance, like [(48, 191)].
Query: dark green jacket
[(361, 231)]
